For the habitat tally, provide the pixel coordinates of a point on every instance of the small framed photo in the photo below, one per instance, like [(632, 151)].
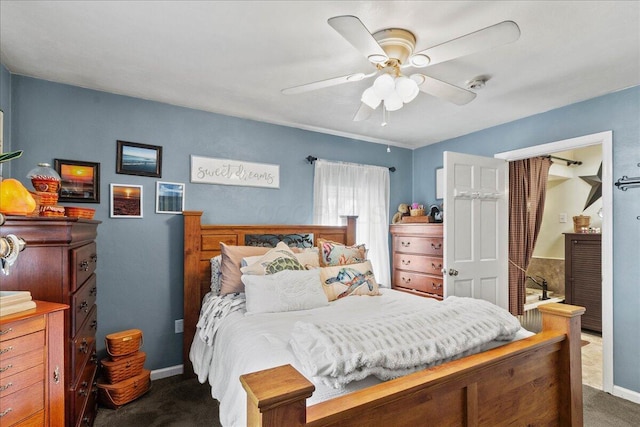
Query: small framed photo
[(80, 181), (133, 158), (169, 197), (126, 201)]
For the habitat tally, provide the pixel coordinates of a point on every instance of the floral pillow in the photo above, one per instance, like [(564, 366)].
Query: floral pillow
[(344, 280), (333, 253), (277, 259)]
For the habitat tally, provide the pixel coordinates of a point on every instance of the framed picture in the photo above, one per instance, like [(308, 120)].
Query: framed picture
[(169, 197), (138, 159), (80, 181), (126, 201)]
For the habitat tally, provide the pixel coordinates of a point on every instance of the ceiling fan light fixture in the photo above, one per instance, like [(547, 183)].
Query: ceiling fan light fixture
[(370, 98), (406, 88), (384, 86), (393, 102), (419, 60)]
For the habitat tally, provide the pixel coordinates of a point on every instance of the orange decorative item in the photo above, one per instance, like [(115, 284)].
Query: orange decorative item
[(15, 199), (86, 213), (44, 178)]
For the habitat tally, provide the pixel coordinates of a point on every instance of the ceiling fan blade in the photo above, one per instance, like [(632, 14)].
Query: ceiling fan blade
[(443, 90), (363, 113), (327, 83), (354, 31), (487, 38)]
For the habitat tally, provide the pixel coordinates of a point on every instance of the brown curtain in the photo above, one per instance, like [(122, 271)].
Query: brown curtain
[(527, 191)]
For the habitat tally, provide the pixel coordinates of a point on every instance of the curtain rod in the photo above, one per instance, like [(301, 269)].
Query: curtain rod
[(312, 159), (569, 162)]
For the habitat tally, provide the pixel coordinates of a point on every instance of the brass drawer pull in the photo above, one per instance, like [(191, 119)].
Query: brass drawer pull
[(4, 387), (405, 244), (84, 306), (6, 350), (6, 331), (83, 391), (434, 286), (84, 265), (405, 280), (5, 412), (93, 324), (406, 261), (93, 291), (6, 368), (436, 267), (56, 375), (84, 347), (94, 258), (434, 246)]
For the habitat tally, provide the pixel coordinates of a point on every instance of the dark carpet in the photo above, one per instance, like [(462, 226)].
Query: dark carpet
[(179, 402)]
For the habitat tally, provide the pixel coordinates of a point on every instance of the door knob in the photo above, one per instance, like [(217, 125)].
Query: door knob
[(453, 272)]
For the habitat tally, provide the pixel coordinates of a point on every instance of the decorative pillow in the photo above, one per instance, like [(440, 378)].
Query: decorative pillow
[(216, 263), (231, 259), (287, 290), (345, 280), (277, 259), (308, 257), (333, 253)]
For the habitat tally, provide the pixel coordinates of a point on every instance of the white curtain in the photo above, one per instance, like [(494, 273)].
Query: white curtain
[(350, 189)]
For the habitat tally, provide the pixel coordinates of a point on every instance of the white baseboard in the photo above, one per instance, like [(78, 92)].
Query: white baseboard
[(170, 371), (626, 394)]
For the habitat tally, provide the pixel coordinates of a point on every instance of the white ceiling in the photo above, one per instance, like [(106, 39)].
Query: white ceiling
[(234, 57)]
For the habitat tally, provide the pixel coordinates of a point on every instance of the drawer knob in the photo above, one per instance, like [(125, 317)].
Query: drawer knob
[(6, 368), (84, 265), (93, 324), (6, 350), (5, 412), (436, 267), (93, 291), (6, 331), (405, 244), (94, 258), (5, 387), (405, 280), (435, 286), (84, 306), (406, 261), (84, 347), (56, 375), (436, 246)]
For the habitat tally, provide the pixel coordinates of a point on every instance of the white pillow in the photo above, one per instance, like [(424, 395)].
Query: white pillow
[(308, 257), (286, 290)]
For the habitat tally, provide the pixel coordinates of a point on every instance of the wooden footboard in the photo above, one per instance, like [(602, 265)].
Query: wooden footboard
[(535, 381)]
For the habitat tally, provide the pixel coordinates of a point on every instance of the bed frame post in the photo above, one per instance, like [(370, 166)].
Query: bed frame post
[(351, 230), (192, 232), (566, 318), (277, 397)]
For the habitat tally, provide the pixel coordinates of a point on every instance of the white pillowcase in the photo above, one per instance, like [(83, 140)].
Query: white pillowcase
[(287, 290)]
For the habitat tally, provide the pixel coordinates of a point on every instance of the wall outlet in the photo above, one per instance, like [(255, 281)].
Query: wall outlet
[(179, 326), (562, 217)]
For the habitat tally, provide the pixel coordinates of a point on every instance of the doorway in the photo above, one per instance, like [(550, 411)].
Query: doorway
[(605, 140)]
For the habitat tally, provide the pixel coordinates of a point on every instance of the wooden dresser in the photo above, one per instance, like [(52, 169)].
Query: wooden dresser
[(32, 366), (417, 259), (583, 276), (58, 265)]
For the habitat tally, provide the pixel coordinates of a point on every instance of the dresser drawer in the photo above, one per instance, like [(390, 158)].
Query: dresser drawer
[(82, 302), (83, 262), (21, 345), (418, 282), (20, 380), (418, 245), (83, 343), (13, 365), (83, 390), (90, 409), (22, 404), (418, 263), (13, 330)]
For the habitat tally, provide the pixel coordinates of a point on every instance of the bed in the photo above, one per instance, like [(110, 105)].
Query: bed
[(535, 380)]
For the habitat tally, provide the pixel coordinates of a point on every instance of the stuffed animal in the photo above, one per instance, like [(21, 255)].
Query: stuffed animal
[(403, 210)]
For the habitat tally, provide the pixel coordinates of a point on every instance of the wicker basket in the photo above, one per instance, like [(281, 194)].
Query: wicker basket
[(124, 343), (123, 369), (580, 222), (45, 185), (116, 395), (417, 212), (73, 211)]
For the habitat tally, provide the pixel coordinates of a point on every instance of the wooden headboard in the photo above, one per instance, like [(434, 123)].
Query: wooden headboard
[(202, 242)]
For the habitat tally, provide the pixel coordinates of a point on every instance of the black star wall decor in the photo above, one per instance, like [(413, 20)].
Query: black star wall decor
[(595, 181)]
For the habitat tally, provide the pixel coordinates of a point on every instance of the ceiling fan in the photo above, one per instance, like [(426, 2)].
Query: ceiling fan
[(391, 51)]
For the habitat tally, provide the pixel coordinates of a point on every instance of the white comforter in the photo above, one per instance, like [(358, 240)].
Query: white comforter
[(248, 343)]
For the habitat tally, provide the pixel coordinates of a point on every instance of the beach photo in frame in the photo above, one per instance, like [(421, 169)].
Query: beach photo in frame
[(169, 197), (133, 158), (126, 201), (79, 181)]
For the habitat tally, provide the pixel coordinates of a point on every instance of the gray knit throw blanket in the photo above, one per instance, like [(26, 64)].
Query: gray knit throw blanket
[(396, 345)]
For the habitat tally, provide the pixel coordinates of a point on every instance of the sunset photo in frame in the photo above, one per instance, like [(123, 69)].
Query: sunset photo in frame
[(126, 201), (133, 158), (80, 181), (169, 197)]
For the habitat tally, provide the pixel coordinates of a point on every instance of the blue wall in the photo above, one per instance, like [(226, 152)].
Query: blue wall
[(5, 106), (619, 112), (140, 260)]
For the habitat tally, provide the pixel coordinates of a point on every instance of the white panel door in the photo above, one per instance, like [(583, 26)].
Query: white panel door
[(475, 236)]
